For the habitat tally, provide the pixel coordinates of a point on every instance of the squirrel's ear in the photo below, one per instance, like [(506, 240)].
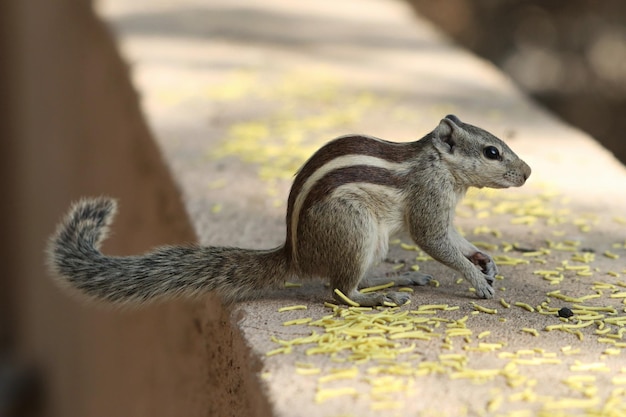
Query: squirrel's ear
[(455, 119), (443, 135)]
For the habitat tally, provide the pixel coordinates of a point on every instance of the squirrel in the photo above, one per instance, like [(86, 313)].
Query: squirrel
[(345, 203)]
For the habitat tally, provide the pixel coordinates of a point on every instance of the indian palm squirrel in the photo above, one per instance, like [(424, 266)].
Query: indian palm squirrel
[(345, 203)]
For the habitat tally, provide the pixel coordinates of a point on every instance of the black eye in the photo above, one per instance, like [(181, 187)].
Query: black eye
[(491, 152)]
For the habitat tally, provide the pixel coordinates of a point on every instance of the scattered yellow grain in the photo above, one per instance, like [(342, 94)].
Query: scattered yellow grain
[(377, 287), (482, 309), (485, 245), (619, 380), (339, 374), (585, 257), (508, 260), (346, 299), (525, 306), (594, 366), (417, 334), (495, 403), (571, 403), (408, 247), (308, 371), (619, 220), (298, 321), (291, 308), (284, 349)]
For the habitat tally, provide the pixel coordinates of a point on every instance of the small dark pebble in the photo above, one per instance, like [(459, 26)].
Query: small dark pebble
[(565, 313), (589, 250)]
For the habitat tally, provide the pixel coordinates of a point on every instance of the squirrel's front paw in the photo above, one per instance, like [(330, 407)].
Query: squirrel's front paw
[(398, 298), (483, 287)]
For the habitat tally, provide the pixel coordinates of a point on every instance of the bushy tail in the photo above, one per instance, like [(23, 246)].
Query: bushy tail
[(167, 272)]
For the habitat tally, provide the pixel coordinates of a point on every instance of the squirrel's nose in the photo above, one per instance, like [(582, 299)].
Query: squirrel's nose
[(526, 171)]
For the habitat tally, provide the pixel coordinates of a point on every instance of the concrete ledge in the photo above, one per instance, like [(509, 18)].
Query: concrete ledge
[(239, 93)]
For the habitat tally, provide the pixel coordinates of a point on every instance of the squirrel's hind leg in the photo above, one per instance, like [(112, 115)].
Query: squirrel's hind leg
[(352, 276)]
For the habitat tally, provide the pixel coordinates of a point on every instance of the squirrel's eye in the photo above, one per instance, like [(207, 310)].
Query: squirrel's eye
[(491, 152)]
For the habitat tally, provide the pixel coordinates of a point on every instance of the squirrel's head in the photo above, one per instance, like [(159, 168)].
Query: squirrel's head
[(476, 157)]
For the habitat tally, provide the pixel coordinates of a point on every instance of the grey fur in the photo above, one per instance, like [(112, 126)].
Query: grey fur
[(340, 228), (169, 271)]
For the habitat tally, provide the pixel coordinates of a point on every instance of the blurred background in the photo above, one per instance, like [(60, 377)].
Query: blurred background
[(568, 55)]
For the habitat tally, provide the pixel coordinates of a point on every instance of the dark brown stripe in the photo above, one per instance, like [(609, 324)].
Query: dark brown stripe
[(349, 145), (348, 175)]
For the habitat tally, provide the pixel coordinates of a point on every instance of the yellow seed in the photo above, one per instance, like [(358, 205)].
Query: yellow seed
[(594, 366), (508, 260), (485, 245), (569, 403), (292, 284), (284, 349), (326, 394), (619, 380), (346, 299), (291, 308), (495, 403), (484, 309), (504, 303), (339, 374), (298, 321), (611, 255), (377, 287), (524, 306), (583, 268), (619, 220), (433, 307), (418, 334)]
